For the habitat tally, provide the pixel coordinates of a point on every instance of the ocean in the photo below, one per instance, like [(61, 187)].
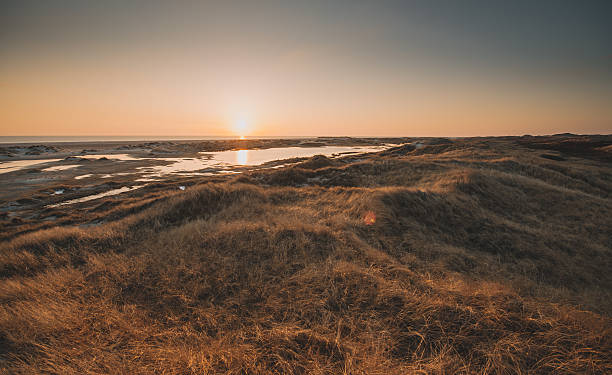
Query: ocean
[(87, 139)]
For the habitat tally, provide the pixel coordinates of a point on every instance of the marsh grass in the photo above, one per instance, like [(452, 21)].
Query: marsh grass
[(481, 259)]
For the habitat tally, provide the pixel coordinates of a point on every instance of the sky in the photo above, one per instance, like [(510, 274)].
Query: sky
[(305, 68)]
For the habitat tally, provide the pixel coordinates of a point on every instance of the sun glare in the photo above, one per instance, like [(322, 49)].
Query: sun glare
[(241, 128)]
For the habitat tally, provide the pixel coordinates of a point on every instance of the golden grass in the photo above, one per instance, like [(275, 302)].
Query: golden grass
[(479, 260)]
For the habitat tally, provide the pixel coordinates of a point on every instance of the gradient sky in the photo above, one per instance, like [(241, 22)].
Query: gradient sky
[(375, 68)]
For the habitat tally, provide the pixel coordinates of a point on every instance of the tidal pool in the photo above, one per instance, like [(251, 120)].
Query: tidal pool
[(225, 161), (10, 166), (257, 157), (96, 196)]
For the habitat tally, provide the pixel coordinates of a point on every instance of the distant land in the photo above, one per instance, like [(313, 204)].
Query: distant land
[(151, 138)]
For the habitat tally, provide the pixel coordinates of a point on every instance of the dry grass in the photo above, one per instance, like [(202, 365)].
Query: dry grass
[(482, 258)]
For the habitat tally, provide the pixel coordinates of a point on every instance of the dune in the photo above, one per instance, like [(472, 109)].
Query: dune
[(476, 255)]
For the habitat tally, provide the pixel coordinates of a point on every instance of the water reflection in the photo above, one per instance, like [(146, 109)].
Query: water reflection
[(242, 157), (261, 156), (10, 166), (220, 162)]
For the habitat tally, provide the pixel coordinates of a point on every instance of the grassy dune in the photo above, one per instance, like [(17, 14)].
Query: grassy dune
[(464, 256)]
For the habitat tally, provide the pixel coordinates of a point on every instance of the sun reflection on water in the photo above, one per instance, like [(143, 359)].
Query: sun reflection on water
[(242, 157)]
